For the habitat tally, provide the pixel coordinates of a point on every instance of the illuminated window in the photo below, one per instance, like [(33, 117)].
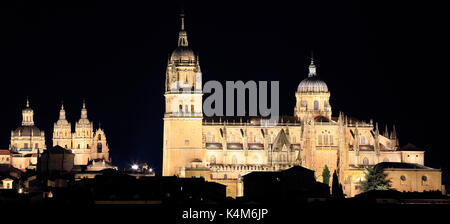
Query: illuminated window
[(234, 160), (362, 140), (366, 161)]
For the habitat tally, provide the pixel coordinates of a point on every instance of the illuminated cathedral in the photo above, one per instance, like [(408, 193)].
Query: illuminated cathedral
[(27, 141), (224, 150)]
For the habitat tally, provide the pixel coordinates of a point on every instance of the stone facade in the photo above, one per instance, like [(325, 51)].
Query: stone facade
[(85, 143)]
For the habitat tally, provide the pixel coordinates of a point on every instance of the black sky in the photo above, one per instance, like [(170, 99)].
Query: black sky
[(380, 61)]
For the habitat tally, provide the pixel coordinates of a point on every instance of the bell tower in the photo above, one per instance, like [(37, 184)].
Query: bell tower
[(62, 131), (182, 142)]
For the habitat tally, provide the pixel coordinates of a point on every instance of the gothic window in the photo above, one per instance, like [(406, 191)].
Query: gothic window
[(99, 137), (331, 139), (316, 105), (325, 139), (99, 147), (362, 140), (234, 160), (366, 161)]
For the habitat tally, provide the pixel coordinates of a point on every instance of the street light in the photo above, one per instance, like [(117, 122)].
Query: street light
[(134, 167)]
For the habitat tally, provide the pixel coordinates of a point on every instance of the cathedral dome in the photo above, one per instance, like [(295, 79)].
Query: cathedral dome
[(182, 53), (312, 84), (27, 131)]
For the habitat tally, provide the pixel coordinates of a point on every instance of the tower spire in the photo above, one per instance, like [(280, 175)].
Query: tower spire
[(182, 19), (312, 67), (84, 111), (28, 103), (182, 35)]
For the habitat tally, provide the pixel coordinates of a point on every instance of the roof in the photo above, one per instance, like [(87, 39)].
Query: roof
[(410, 147), (394, 165), (58, 150), (5, 152)]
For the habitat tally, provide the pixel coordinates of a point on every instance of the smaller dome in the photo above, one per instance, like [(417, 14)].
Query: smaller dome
[(182, 53), (27, 131), (312, 84)]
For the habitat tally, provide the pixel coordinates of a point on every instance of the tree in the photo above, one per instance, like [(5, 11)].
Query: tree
[(326, 175), (336, 188), (375, 180)]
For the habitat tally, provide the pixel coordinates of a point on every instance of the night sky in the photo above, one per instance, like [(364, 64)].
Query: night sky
[(379, 61)]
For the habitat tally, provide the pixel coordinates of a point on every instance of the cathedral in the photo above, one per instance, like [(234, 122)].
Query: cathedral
[(27, 141), (225, 150)]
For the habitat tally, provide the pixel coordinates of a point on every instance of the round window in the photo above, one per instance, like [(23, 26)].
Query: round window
[(403, 178), (424, 178)]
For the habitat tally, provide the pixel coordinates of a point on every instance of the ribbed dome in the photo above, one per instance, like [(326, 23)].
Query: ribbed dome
[(312, 84), (182, 53), (27, 131)]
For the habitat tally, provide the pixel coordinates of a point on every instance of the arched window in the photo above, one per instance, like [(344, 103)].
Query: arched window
[(325, 139), (186, 109), (305, 104), (325, 104), (192, 109), (99, 147), (316, 105), (319, 139), (366, 161), (212, 160), (180, 108), (234, 160), (362, 140), (99, 137)]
